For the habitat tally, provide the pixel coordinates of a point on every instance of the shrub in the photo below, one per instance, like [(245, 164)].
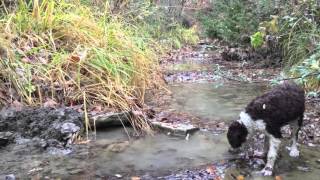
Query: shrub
[(230, 19), (309, 71)]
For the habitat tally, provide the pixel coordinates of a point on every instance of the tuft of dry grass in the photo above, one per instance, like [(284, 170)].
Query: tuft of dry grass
[(65, 51), (72, 54)]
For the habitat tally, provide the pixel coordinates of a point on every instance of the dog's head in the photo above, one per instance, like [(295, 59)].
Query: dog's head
[(237, 134)]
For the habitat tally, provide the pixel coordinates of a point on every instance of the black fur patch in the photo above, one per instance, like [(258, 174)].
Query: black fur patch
[(237, 134), (283, 104)]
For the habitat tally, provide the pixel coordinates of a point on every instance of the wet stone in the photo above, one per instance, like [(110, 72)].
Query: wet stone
[(303, 168), (176, 129), (10, 177), (76, 171), (5, 138), (59, 151), (118, 147)]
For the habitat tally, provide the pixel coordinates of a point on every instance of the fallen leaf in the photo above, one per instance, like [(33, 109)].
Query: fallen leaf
[(35, 170), (2, 96), (240, 177), (135, 178), (97, 108), (17, 105), (36, 177), (137, 113), (50, 103), (278, 178), (26, 60), (211, 169), (74, 58)]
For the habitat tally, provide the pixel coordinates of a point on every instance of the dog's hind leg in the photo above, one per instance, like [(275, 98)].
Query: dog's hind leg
[(296, 126)]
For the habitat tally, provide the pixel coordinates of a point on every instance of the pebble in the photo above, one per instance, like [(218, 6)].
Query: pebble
[(10, 177), (311, 145), (303, 168), (261, 136), (118, 175), (215, 171), (76, 171)]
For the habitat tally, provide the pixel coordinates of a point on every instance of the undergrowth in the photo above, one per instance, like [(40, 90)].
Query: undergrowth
[(288, 28), (74, 53), (300, 37), (230, 19)]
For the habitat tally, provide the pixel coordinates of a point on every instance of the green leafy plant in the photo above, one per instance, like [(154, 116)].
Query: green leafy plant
[(256, 39), (230, 19), (309, 71)]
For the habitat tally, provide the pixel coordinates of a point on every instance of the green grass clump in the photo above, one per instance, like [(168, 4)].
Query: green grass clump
[(299, 37)]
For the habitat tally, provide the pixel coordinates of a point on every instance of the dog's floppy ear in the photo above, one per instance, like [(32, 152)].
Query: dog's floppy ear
[(237, 134)]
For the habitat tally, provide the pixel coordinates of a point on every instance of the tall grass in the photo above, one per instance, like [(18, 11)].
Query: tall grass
[(299, 37)]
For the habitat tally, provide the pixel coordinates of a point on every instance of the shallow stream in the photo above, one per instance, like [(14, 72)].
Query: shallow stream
[(117, 154)]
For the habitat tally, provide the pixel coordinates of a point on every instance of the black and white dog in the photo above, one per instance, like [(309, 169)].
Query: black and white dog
[(283, 105)]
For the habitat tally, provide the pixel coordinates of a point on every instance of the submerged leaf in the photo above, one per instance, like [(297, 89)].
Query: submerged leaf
[(135, 178)]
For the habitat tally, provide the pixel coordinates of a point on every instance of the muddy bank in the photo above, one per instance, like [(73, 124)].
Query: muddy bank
[(43, 128)]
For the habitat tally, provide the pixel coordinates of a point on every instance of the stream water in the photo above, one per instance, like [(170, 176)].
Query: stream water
[(214, 101), (113, 154)]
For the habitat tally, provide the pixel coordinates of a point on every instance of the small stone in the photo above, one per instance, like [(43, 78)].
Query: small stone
[(311, 145), (303, 168), (5, 138), (67, 128), (35, 170), (261, 136), (118, 147), (75, 171), (10, 177), (118, 175)]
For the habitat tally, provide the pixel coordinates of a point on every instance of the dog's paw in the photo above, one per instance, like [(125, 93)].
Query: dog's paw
[(267, 171), (294, 152)]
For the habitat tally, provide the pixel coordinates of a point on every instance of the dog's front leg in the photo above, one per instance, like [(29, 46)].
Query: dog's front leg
[(274, 145)]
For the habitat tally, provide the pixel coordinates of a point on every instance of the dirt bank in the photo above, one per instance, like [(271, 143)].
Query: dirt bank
[(40, 127)]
